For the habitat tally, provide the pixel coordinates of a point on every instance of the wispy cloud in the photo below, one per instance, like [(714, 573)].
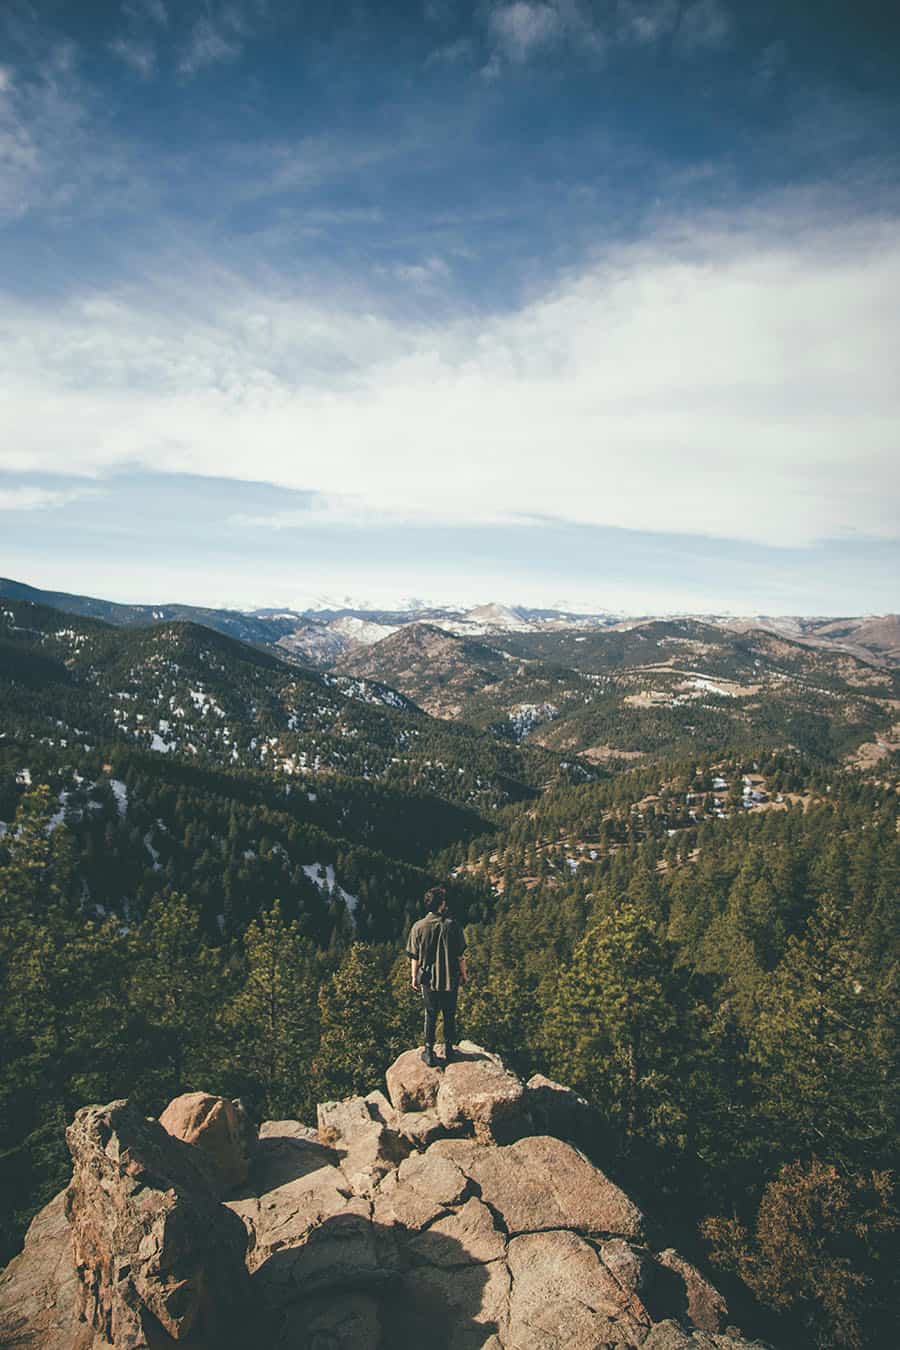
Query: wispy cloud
[(140, 56), (703, 25), (453, 53), (351, 512), (429, 272), (215, 39), (689, 25), (138, 47), (58, 157), (147, 11), (39, 499), (521, 28), (717, 378)]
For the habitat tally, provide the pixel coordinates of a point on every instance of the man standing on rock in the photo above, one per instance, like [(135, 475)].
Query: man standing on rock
[(435, 949)]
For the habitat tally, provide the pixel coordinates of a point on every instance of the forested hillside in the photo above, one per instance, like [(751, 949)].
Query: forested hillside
[(209, 860), (666, 687)]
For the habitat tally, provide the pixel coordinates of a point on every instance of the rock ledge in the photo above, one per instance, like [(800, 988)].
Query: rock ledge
[(447, 1212)]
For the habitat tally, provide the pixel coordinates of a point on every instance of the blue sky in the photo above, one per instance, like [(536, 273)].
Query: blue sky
[(596, 304)]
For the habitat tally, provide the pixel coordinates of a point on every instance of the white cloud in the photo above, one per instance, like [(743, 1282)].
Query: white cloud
[(737, 379), (647, 20), (523, 27)]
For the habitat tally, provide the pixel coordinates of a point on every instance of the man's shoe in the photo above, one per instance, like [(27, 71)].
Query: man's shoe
[(449, 1054), (428, 1056)]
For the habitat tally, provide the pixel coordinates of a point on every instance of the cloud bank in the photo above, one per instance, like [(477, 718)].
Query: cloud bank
[(733, 380)]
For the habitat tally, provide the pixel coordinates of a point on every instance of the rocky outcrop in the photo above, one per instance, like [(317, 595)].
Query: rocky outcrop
[(217, 1126), (40, 1292), (558, 1110), (543, 1183), (477, 1091), (438, 1213), (367, 1145), (153, 1249), (137, 1252), (411, 1085), (706, 1307)]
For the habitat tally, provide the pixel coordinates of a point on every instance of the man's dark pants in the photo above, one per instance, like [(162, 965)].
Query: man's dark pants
[(440, 1001)]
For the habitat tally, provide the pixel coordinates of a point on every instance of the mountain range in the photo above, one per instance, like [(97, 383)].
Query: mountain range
[(321, 636)]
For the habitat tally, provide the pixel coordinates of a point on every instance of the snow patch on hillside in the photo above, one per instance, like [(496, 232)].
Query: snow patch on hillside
[(203, 702), (361, 632), (526, 716), (328, 883), (154, 852)]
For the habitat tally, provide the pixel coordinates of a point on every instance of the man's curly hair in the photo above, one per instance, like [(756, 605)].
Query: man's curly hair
[(435, 898)]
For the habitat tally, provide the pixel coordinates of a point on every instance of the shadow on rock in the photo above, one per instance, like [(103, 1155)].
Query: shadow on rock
[(665, 1295), (280, 1161), (359, 1285)]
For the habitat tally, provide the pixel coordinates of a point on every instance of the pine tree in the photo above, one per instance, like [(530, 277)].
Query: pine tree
[(359, 1037), (822, 1067), (175, 986), (273, 1018), (616, 1025)]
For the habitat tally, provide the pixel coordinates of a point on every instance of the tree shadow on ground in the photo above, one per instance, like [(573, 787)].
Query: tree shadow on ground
[(359, 1285)]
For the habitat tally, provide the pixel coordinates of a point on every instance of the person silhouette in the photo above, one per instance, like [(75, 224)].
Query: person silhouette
[(436, 948)]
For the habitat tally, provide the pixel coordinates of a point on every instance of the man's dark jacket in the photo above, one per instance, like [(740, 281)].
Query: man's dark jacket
[(437, 942)]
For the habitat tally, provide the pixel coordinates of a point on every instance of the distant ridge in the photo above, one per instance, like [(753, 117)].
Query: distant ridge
[(324, 636), (247, 628)]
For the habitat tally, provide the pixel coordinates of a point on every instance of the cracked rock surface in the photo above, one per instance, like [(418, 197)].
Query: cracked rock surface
[(445, 1212)]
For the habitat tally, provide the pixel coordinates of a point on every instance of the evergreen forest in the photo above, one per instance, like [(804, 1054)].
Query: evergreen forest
[(210, 859)]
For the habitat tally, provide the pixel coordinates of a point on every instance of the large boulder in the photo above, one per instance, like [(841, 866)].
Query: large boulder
[(556, 1109), (158, 1258), (706, 1308), (541, 1183), (423, 1189), (221, 1128), (411, 1085), (419, 1128), (40, 1292), (343, 1253), (464, 1236), (448, 1307), (294, 1186), (288, 1129), (323, 1322), (565, 1298), (367, 1148), (479, 1093), (436, 1177)]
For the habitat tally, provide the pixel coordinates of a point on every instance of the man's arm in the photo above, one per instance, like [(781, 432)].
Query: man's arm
[(413, 951)]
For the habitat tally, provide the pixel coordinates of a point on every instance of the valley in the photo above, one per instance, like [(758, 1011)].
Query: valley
[(657, 834)]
